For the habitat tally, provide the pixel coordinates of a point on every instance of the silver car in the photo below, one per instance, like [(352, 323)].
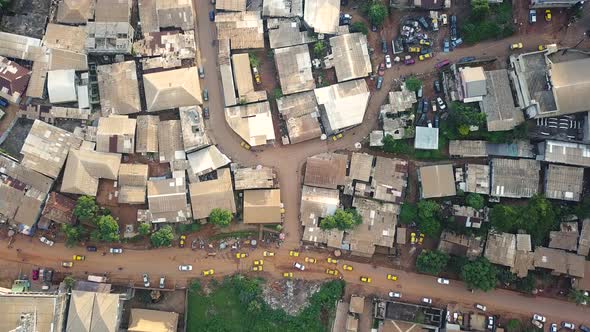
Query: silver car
[(146, 280), (187, 267), (116, 251), (426, 300), (395, 295)]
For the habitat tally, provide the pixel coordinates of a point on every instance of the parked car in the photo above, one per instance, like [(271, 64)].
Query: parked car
[(185, 268), (3, 102), (268, 254), (245, 145), (568, 325), (455, 43), (481, 307), (366, 280), (414, 49), (409, 62), (425, 42), (347, 267), (67, 264), (537, 324), (310, 260), (380, 82), (293, 253), (446, 45), (162, 282), (46, 241), (515, 46), (288, 275), (453, 33), (491, 322), (583, 328), (384, 46), (146, 280), (441, 103), (443, 281), (241, 255), (182, 241), (442, 64), (540, 318), (426, 300), (332, 272), (553, 328), (466, 59), (425, 56), (256, 75), (424, 22), (548, 15), (299, 266), (391, 277), (212, 15), (444, 19), (48, 275), (35, 274), (387, 61), (78, 257), (201, 72), (331, 260), (381, 69), (437, 87), (453, 20), (206, 112), (208, 272), (532, 16), (91, 248), (395, 295), (205, 94), (116, 251)]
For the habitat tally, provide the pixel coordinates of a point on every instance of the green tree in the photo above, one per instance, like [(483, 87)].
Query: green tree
[(463, 117), (432, 262), (86, 208), (526, 284), (69, 281), (578, 296), (392, 145), (144, 229), (162, 237), (4, 3), (479, 8), (254, 61), (107, 230), (428, 209), (377, 13), (220, 217), (479, 274), (513, 325), (408, 213), (342, 220), (277, 93), (429, 218), (430, 226), (359, 27), (413, 83), (73, 234), (538, 218), (474, 200), (504, 218), (319, 48)]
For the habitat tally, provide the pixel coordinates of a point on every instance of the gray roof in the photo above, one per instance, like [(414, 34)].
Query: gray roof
[(571, 85), (564, 182), (351, 56), (282, 8), (584, 244), (288, 34), (294, 67), (437, 181), (477, 179), (426, 138), (565, 153), (501, 248), (498, 103), (468, 148), (515, 178), (301, 114)]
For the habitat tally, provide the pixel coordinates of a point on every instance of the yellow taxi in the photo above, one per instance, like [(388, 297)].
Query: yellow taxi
[(347, 267), (413, 238), (516, 46), (337, 137), (421, 238), (257, 268), (182, 241), (258, 262), (241, 255), (294, 253), (209, 272), (414, 50), (288, 275), (547, 15), (268, 254), (310, 260), (332, 272), (245, 145), (332, 260), (425, 56), (366, 279), (67, 264), (391, 277), (79, 257)]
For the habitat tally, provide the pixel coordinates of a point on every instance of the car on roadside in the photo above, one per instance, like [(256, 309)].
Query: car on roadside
[(466, 59), (332, 272), (78, 257), (258, 262), (186, 267), (331, 260), (437, 87), (201, 72), (540, 318), (442, 64), (412, 238), (67, 264), (553, 327), (491, 322), (387, 61), (537, 324), (446, 45), (414, 49), (206, 112), (241, 255), (288, 275), (425, 56), (48, 275), (426, 300), (409, 62), (258, 268), (182, 241), (532, 16), (116, 251), (146, 280), (337, 137), (424, 42), (481, 307), (91, 248), (46, 241), (162, 282), (568, 325), (391, 277), (381, 69), (444, 19), (366, 280), (205, 94), (268, 254), (441, 103), (35, 274), (379, 83), (516, 46), (395, 295), (347, 267), (548, 15), (442, 281), (208, 272), (384, 46), (299, 266), (245, 145), (212, 15), (310, 260), (294, 253), (455, 43)]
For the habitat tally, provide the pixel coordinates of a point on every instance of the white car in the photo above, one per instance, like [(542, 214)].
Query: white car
[(481, 307), (162, 282), (395, 295), (387, 61), (146, 280), (584, 301), (537, 324), (568, 325), (441, 103), (443, 281), (540, 318), (116, 250), (553, 327), (426, 300), (185, 268), (46, 241), (299, 266)]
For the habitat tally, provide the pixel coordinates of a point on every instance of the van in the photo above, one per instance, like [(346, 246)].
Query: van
[(379, 82), (442, 64)]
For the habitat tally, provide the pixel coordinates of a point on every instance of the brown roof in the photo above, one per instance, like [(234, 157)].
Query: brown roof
[(116, 134), (377, 229), (170, 140), (84, 169), (207, 195), (75, 11), (584, 245), (119, 88), (390, 179), (584, 283), (13, 80), (361, 165), (563, 240), (133, 175), (357, 304), (259, 177), (327, 170), (147, 133), (167, 200), (501, 248), (59, 208), (560, 261), (112, 10), (262, 206), (437, 181)]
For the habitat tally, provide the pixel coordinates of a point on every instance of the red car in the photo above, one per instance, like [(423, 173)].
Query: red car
[(381, 70), (35, 274), (409, 62)]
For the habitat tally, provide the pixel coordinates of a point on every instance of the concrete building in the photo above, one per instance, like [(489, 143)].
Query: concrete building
[(282, 8), (294, 68), (342, 105), (170, 144), (286, 33), (317, 203), (172, 89), (94, 311), (167, 201), (109, 37), (498, 104), (262, 206), (14, 80), (301, 114), (553, 3), (116, 134), (119, 88), (473, 84), (377, 229), (477, 179), (350, 56), (206, 160), (253, 122), (75, 11), (258, 177), (514, 178), (326, 170), (132, 181), (564, 182), (426, 138), (147, 134), (192, 122), (322, 15), (144, 320), (61, 86), (568, 153), (162, 14), (208, 195), (32, 311), (437, 181)]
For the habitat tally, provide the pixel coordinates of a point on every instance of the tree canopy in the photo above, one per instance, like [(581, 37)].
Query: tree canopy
[(162, 237), (432, 262), (464, 116), (220, 217), (429, 218), (413, 84), (578, 296), (319, 48), (86, 208), (408, 213), (144, 229), (73, 234), (107, 229), (377, 13), (359, 27), (254, 61), (480, 8), (342, 220), (479, 274), (474, 200)]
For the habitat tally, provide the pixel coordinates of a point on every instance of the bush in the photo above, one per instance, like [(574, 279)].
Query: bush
[(432, 262), (359, 27), (144, 229), (474, 200), (73, 234), (107, 230), (319, 48), (342, 220), (479, 274), (220, 217), (377, 13), (488, 21), (86, 208), (162, 237), (413, 84), (429, 218), (254, 61), (277, 93), (408, 213)]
